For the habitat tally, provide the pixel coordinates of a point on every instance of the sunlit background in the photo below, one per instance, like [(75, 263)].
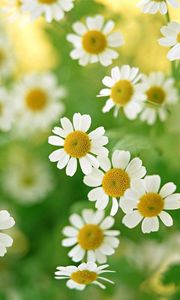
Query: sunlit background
[(147, 266)]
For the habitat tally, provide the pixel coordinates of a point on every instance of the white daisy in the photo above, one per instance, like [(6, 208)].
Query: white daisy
[(27, 182), (123, 91), (114, 179), (38, 102), (91, 236), (160, 93), (146, 203), (171, 39), (83, 275), (13, 9), (76, 144), (6, 222), (50, 9), (7, 110), (94, 40), (6, 58), (154, 6)]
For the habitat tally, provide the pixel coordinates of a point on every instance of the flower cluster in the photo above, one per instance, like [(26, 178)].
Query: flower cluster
[(121, 180)]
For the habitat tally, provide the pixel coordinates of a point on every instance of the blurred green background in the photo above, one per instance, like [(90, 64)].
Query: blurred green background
[(147, 266)]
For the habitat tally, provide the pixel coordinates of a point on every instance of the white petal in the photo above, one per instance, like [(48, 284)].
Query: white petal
[(104, 162), (6, 221), (86, 166), (107, 223), (76, 221), (131, 220), (150, 225), (91, 256), (167, 189), (166, 218), (69, 242), (172, 201), (94, 178), (67, 125), (96, 194), (102, 203), (71, 167), (63, 162), (70, 231), (120, 159), (152, 183), (114, 207), (6, 240), (55, 140)]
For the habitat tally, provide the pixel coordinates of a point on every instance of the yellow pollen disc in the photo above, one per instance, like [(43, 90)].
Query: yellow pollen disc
[(150, 205), (90, 237), (2, 57), (36, 99), (84, 277), (94, 42), (178, 38), (156, 95), (115, 182), (77, 144), (47, 1), (18, 3), (122, 92)]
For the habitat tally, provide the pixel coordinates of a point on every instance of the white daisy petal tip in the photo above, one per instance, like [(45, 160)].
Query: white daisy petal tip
[(6, 222)]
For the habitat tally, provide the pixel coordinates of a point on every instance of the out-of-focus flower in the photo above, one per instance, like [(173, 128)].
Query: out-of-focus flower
[(50, 9), (6, 57), (94, 40), (7, 110), (91, 236), (38, 100), (160, 94), (13, 10), (76, 144), (27, 182), (123, 91), (144, 202), (83, 275), (154, 6), (171, 38), (114, 180), (6, 222)]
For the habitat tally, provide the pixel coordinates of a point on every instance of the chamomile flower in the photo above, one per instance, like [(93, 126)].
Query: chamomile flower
[(90, 236), (6, 222), (123, 91), (93, 41), (50, 9), (13, 9), (146, 202), (7, 110), (160, 93), (76, 144), (114, 179), (6, 57), (83, 275), (27, 182), (154, 6), (171, 39), (38, 99)]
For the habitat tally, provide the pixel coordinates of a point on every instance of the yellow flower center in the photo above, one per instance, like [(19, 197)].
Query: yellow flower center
[(36, 99), (122, 92), (84, 277), (90, 237), (150, 205), (94, 42), (2, 57), (47, 1), (115, 182), (18, 3), (156, 95), (77, 144), (178, 38)]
